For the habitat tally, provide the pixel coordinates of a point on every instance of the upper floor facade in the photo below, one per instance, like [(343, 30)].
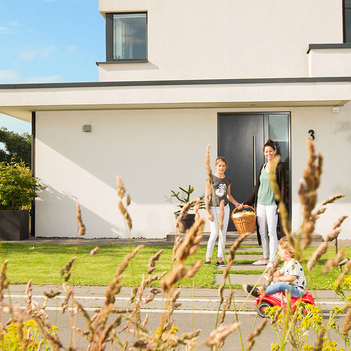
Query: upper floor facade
[(229, 39)]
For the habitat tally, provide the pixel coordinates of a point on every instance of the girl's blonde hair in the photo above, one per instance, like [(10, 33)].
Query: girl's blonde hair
[(285, 245)]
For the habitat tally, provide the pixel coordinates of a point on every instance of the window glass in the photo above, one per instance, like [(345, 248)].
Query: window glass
[(129, 36), (279, 132)]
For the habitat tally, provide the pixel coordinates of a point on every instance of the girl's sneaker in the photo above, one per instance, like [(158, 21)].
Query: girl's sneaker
[(220, 264)]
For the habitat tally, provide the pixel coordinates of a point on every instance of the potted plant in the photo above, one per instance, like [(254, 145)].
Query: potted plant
[(183, 196), (17, 189)]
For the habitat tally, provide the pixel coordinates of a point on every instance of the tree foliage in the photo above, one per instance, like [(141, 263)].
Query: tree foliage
[(17, 147)]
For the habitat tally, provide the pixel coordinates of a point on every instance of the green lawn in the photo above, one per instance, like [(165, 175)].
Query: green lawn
[(42, 264)]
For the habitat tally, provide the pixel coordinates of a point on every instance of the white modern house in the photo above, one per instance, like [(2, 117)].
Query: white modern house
[(179, 75)]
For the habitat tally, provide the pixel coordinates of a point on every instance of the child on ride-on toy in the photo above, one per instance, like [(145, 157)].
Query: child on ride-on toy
[(290, 277)]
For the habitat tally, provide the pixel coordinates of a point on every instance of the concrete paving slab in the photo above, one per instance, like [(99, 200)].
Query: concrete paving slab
[(241, 279), (245, 267), (247, 257)]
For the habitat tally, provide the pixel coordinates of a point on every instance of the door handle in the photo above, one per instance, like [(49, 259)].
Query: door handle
[(254, 159)]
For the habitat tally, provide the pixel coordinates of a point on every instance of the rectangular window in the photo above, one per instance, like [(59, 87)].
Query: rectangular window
[(347, 21), (126, 37)]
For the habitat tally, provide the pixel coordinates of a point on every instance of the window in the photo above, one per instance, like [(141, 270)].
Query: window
[(126, 37), (347, 21)]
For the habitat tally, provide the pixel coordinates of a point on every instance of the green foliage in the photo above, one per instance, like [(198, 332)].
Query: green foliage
[(183, 196), (17, 147), (17, 186)]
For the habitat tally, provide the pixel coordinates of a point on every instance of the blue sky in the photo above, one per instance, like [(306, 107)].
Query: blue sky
[(49, 41)]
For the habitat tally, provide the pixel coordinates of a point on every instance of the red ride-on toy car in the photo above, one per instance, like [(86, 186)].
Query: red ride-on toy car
[(276, 300)]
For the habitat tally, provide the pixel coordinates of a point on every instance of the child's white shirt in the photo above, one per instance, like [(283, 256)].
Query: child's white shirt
[(293, 267)]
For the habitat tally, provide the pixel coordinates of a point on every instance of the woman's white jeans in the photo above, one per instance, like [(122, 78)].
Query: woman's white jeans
[(267, 218), (214, 232)]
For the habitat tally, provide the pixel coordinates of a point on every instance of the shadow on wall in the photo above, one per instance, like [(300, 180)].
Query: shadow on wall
[(47, 225)]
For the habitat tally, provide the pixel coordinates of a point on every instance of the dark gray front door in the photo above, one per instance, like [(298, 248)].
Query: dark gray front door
[(241, 138)]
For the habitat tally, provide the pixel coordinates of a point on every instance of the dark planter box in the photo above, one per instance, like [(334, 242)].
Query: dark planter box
[(187, 221), (14, 225)]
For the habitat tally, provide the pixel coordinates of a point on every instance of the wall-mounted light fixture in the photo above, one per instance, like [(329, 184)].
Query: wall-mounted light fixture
[(87, 128)]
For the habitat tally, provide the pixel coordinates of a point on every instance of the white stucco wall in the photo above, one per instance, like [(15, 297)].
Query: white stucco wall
[(153, 151), (158, 150), (333, 141), (227, 39)]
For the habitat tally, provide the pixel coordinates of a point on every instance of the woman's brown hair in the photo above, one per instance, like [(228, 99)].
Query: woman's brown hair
[(271, 144)]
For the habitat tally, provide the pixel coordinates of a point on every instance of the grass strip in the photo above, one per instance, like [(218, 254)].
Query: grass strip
[(42, 264)]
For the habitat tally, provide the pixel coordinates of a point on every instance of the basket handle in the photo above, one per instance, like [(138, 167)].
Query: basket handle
[(243, 209)]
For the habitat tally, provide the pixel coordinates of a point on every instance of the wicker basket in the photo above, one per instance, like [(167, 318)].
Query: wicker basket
[(244, 223)]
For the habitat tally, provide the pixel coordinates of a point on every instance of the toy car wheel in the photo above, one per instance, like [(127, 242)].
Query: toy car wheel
[(262, 307)]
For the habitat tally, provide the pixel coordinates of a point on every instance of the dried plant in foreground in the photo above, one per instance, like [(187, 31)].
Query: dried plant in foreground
[(81, 226), (123, 208), (253, 336)]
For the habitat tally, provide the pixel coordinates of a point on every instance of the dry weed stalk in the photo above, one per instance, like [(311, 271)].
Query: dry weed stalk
[(272, 270), (218, 335), (226, 306), (208, 164), (4, 283), (197, 208), (252, 336), (94, 251), (66, 270), (152, 264), (308, 193), (114, 286), (209, 177), (320, 340), (341, 277), (347, 324), (221, 215), (81, 226), (333, 262), (176, 245), (123, 209), (231, 255), (322, 248), (332, 199), (191, 241), (183, 213)]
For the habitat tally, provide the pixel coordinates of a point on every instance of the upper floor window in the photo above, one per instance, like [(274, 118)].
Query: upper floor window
[(126, 36), (347, 21)]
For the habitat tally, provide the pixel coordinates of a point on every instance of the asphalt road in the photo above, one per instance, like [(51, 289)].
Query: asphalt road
[(198, 310)]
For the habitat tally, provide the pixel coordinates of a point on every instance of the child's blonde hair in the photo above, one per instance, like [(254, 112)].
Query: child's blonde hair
[(285, 245)]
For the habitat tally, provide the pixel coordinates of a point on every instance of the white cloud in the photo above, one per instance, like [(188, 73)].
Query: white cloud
[(56, 78), (31, 54), (9, 76), (4, 30), (12, 77)]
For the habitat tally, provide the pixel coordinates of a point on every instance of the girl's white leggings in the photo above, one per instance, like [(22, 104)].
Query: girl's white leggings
[(267, 218), (214, 232)]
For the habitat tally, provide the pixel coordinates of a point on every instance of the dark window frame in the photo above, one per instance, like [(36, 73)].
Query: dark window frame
[(109, 39), (344, 8)]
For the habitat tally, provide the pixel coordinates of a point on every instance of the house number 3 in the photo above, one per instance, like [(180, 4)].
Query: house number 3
[(311, 133)]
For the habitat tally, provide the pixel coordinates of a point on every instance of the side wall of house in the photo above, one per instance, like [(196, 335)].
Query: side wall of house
[(155, 151), (202, 39)]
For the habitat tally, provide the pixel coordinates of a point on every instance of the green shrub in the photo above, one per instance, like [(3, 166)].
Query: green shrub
[(17, 186)]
